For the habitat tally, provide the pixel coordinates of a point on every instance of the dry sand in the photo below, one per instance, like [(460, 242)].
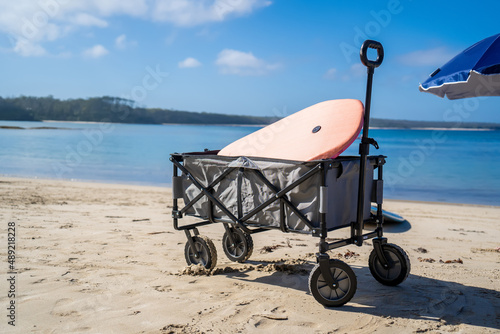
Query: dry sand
[(100, 258)]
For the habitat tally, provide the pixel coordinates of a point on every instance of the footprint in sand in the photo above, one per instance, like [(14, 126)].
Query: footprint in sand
[(63, 308)]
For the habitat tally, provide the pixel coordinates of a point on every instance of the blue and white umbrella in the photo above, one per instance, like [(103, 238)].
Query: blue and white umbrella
[(472, 73)]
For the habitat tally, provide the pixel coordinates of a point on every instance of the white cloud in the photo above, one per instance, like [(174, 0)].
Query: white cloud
[(84, 19), (136, 8), (96, 51), (355, 72), (431, 57), (18, 17), (122, 42), (242, 63), (190, 13), (331, 74), (189, 63), (37, 22), (27, 49)]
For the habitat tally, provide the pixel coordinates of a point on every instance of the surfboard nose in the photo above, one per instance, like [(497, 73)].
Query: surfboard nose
[(321, 131)]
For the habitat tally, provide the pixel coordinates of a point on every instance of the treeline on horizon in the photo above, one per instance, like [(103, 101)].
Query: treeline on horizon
[(110, 109), (119, 110)]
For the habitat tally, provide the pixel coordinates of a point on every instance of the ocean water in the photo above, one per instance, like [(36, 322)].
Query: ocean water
[(423, 165)]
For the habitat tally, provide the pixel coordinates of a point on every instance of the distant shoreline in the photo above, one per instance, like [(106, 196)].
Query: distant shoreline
[(435, 129), (115, 110), (222, 124), (10, 127), (76, 122)]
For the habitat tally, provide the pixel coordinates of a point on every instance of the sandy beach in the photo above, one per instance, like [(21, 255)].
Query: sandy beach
[(104, 258)]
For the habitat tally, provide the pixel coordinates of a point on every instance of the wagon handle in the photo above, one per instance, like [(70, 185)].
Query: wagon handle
[(363, 53), (364, 146)]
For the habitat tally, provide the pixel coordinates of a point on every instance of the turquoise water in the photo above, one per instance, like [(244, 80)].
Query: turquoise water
[(426, 165)]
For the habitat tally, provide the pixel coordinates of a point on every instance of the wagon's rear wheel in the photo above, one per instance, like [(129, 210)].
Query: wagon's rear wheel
[(204, 252), (241, 248), (398, 267), (333, 296)]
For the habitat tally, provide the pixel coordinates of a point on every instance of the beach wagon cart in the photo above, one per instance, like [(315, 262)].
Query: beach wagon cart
[(250, 194)]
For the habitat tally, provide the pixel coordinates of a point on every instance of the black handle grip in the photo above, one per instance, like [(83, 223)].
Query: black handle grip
[(364, 56)]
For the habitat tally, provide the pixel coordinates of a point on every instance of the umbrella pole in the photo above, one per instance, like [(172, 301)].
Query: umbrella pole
[(364, 146)]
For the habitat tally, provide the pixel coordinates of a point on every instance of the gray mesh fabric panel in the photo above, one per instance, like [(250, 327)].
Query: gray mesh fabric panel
[(342, 183), (343, 193)]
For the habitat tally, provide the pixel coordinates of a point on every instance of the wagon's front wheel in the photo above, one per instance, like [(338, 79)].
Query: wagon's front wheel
[(240, 248), (204, 252), (397, 269), (346, 284)]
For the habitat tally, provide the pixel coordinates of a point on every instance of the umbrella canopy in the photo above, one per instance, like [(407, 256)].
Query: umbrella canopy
[(474, 72)]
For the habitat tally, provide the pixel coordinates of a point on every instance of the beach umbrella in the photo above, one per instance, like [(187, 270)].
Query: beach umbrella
[(473, 72)]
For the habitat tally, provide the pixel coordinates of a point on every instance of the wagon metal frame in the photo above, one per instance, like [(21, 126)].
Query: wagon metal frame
[(331, 282)]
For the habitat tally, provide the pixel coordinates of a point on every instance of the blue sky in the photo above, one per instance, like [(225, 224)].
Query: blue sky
[(253, 57)]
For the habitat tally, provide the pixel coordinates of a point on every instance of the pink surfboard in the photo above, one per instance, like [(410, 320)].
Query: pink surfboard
[(321, 131)]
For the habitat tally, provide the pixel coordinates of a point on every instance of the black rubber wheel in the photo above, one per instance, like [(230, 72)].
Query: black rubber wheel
[(204, 252), (242, 248), (328, 296), (399, 265)]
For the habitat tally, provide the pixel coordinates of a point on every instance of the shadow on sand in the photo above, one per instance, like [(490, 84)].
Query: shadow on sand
[(418, 298), (391, 227)]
